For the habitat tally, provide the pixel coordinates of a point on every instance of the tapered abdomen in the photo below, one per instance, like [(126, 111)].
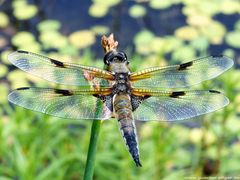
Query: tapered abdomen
[(123, 110)]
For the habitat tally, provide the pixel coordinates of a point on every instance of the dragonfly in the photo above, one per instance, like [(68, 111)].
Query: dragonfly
[(117, 92)]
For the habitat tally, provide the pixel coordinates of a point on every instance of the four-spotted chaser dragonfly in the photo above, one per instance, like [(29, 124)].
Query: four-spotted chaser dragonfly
[(117, 92)]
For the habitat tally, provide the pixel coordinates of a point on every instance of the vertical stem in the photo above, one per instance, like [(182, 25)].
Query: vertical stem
[(89, 169), (108, 44)]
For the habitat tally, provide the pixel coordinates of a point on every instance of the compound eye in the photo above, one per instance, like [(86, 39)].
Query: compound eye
[(108, 58), (122, 56)]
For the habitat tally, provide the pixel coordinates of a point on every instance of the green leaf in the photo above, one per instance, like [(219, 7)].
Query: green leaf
[(144, 36), (184, 53), (230, 165), (3, 70), (17, 79), (31, 47), (100, 30), (107, 3), (156, 4), (26, 41), (158, 45), (208, 7), (186, 33), (200, 43), (22, 38), (4, 20), (230, 7), (172, 43), (229, 52), (3, 89), (82, 39), (57, 164), (53, 39), (25, 12), (142, 39), (237, 25), (69, 50), (137, 11), (232, 125), (215, 32), (176, 174), (4, 56), (98, 10), (19, 3), (233, 39), (49, 25), (198, 20)]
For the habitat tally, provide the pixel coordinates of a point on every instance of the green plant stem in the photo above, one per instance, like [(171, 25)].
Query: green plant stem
[(89, 168)]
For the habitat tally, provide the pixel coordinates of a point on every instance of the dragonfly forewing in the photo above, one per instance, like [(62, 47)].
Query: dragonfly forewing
[(59, 72), (183, 75)]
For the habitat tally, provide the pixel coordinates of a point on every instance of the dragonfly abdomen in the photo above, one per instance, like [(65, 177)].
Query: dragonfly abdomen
[(123, 110)]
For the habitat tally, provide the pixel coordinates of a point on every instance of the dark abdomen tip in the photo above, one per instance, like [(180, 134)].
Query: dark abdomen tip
[(137, 162)]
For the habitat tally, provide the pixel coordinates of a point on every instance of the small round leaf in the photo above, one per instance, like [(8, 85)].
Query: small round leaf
[(137, 11), (4, 20), (82, 39)]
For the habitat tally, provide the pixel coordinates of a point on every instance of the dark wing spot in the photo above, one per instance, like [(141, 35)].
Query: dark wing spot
[(214, 91), (137, 100), (21, 51), (57, 63), (177, 94), (217, 56), (184, 66), (98, 96), (23, 88), (63, 92)]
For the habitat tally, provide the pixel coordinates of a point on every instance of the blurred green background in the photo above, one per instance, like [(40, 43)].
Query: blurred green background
[(152, 33)]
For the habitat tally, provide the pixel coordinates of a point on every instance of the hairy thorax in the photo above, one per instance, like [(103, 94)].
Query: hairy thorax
[(121, 74)]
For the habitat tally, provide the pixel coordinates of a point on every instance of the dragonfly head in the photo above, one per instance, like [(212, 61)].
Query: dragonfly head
[(115, 56)]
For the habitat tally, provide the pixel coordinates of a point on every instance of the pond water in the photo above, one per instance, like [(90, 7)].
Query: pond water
[(74, 16)]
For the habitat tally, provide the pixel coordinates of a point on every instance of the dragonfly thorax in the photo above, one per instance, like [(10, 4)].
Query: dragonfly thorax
[(121, 77), (122, 84)]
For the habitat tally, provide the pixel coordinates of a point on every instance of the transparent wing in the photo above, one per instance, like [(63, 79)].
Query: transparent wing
[(62, 103), (59, 72), (178, 105), (182, 75)]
